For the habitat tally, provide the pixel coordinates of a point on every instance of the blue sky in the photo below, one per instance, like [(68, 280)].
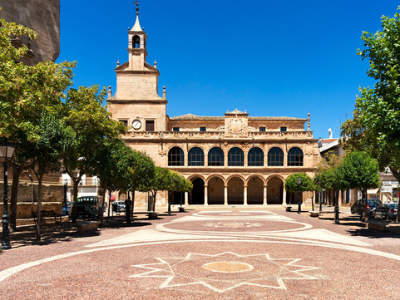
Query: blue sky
[(269, 57)]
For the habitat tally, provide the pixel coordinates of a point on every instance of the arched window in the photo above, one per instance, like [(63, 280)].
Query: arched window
[(136, 41), (295, 157), (196, 157), (176, 157), (256, 157), (235, 157), (216, 157), (275, 157)]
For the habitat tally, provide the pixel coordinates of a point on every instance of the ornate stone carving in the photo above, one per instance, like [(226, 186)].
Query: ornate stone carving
[(161, 150), (236, 126)]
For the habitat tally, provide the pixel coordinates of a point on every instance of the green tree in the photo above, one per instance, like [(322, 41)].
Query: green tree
[(161, 181), (121, 168), (92, 125), (375, 127), (292, 185), (180, 184), (54, 139), (358, 171), (26, 91)]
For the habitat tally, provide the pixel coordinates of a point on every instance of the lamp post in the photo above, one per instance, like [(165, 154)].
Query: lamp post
[(337, 207), (299, 203), (6, 152)]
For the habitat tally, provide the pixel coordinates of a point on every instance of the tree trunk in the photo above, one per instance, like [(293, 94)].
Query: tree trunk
[(75, 199), (109, 202), (39, 208), (133, 200), (17, 170), (154, 201), (312, 200), (102, 207), (365, 196)]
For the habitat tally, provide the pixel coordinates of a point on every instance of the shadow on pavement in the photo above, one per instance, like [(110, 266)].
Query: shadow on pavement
[(26, 235)]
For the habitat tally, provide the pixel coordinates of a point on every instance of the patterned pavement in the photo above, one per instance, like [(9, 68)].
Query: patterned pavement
[(221, 254)]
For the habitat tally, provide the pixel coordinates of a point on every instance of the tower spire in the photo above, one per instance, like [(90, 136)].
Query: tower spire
[(137, 26)]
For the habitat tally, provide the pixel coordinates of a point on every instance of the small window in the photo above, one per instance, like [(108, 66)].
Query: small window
[(175, 128), (262, 129), (125, 122), (150, 125), (283, 129), (202, 128)]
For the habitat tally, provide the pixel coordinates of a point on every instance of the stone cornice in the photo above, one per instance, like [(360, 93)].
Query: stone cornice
[(214, 118), (265, 170), (218, 136), (142, 101)]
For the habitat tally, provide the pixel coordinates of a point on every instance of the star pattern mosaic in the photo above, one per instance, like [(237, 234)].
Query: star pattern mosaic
[(222, 272)]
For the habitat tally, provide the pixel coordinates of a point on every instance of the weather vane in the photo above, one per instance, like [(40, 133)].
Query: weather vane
[(137, 7)]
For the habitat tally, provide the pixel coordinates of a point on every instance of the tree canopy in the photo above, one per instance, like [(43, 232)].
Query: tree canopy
[(292, 185), (375, 127)]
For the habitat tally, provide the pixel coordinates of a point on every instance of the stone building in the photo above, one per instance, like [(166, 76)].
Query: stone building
[(234, 159), (43, 16)]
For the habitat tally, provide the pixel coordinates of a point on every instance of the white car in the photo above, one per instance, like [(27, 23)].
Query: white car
[(118, 206)]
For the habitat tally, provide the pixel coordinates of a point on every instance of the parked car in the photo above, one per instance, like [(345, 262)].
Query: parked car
[(118, 206), (67, 209), (358, 207), (386, 210), (92, 201)]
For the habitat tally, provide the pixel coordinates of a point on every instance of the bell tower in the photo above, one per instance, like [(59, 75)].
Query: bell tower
[(136, 102), (137, 45)]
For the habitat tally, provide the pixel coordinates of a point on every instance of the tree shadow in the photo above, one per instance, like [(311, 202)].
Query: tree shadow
[(375, 234)]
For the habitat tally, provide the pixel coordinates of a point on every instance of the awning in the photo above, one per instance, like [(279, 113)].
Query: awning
[(373, 191)]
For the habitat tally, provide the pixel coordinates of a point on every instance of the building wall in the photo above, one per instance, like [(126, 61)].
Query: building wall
[(137, 98), (43, 16)]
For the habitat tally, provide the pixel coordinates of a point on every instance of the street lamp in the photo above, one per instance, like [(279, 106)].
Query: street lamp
[(337, 207), (6, 152), (299, 203)]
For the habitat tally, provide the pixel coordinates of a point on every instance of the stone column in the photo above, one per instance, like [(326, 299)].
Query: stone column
[(285, 160), (206, 160), (186, 198), (226, 160), (284, 196), (205, 195), (265, 195), (185, 159), (226, 195), (246, 160), (245, 195)]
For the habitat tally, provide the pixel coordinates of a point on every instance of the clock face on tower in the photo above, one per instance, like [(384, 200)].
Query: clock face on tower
[(136, 124)]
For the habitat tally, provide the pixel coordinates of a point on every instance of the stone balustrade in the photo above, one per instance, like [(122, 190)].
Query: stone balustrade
[(217, 135)]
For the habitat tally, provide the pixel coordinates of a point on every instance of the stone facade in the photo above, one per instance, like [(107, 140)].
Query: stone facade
[(235, 159), (43, 16)]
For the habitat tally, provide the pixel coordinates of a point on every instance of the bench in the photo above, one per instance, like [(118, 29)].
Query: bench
[(47, 215), (314, 214), (376, 225), (288, 208), (87, 226), (152, 215)]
